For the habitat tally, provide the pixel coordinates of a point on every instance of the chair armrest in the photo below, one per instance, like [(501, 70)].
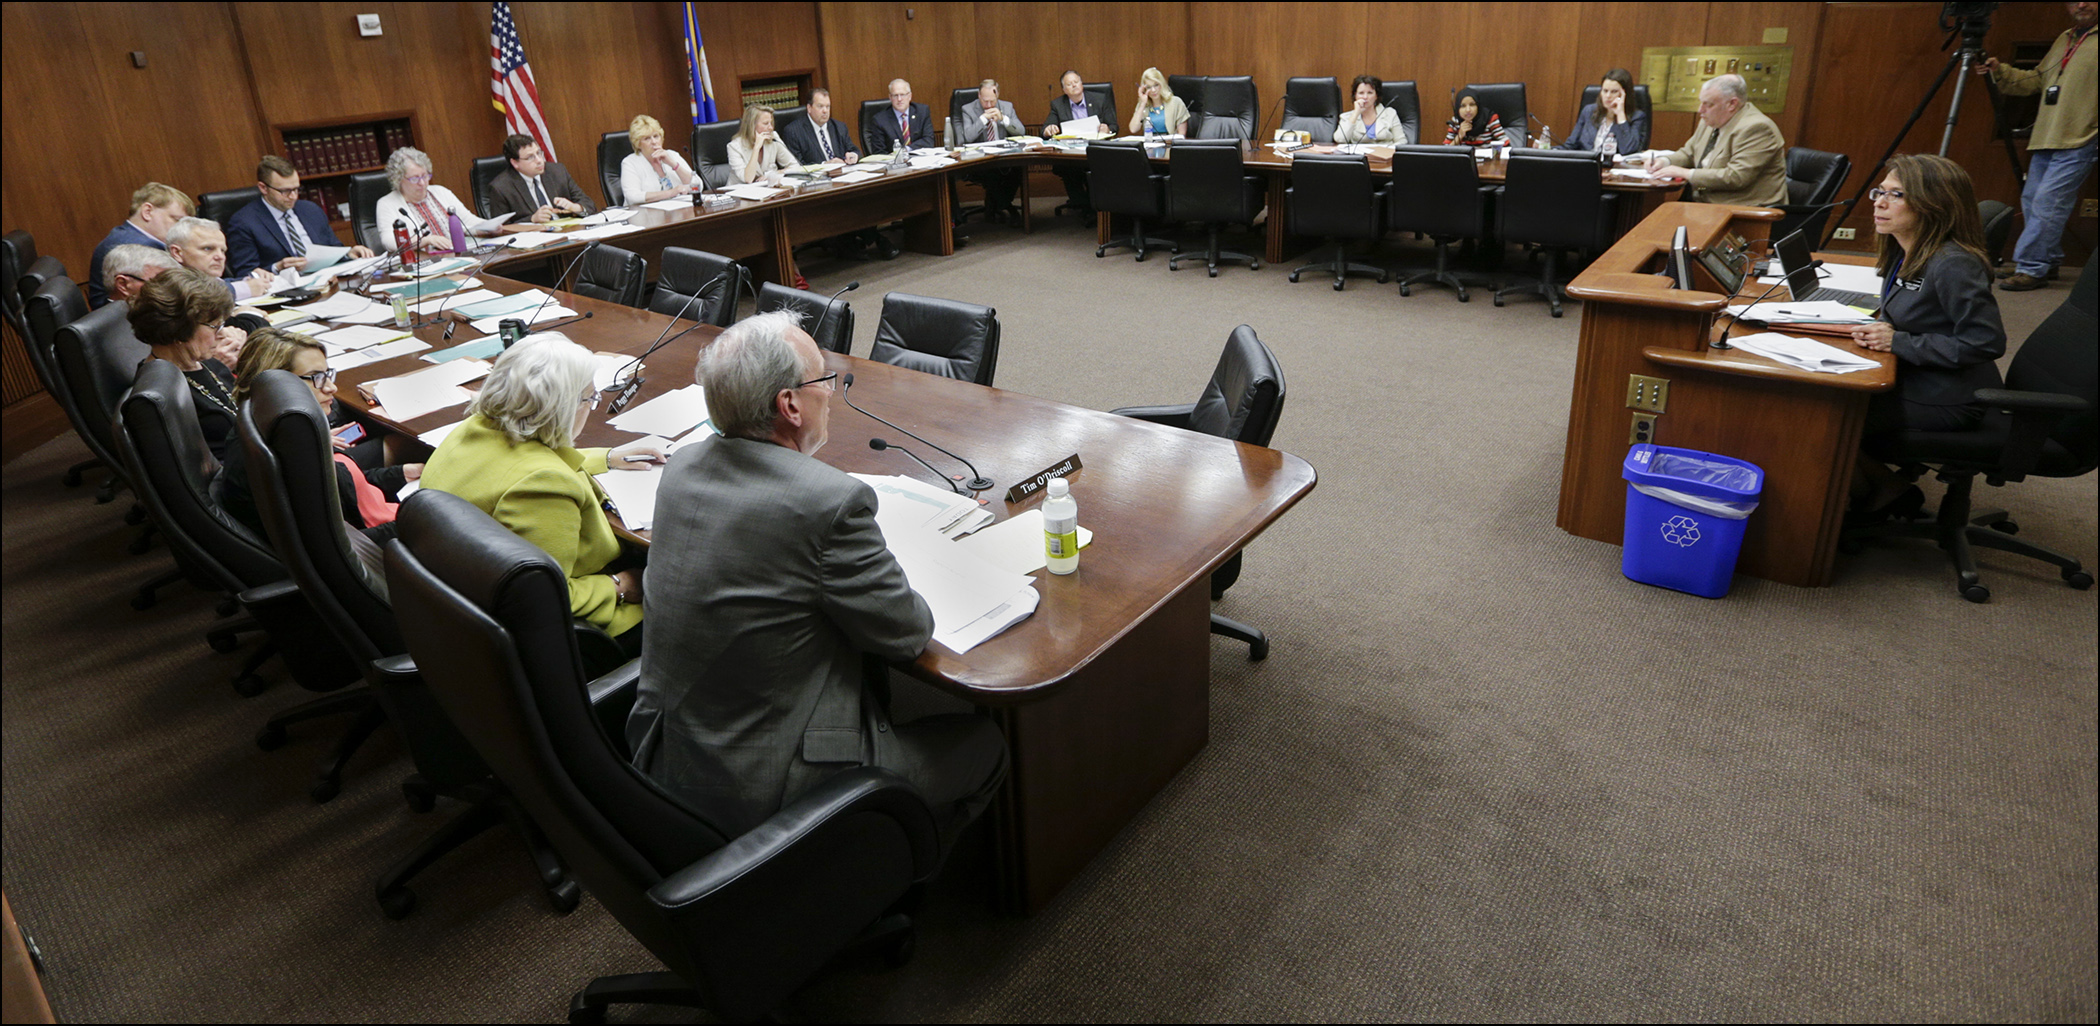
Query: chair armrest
[(2011, 399), (1172, 416), (600, 653), (612, 698), (2035, 416), (266, 597), (396, 670)]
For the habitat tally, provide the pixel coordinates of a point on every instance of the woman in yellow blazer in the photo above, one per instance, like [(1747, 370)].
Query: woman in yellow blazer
[(516, 458)]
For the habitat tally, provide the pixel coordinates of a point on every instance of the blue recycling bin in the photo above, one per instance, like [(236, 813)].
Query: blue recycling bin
[(1685, 513)]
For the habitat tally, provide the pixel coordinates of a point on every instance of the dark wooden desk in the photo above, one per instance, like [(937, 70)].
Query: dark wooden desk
[(1801, 427), (1104, 694)]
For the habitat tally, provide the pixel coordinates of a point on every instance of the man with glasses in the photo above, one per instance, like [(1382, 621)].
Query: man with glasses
[(278, 228), (129, 267), (535, 189), (1736, 154), (773, 606)]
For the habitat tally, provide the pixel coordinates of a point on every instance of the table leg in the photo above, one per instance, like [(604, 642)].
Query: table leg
[(1027, 214), (1273, 247), (1104, 228)]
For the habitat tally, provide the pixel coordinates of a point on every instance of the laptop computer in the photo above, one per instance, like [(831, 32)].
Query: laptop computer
[(1801, 277)]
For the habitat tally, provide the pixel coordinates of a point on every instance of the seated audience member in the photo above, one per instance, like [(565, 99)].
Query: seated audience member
[(1736, 155), (178, 315), (1938, 315), (275, 231), (516, 458), (1072, 105), (425, 209), (1369, 121), (653, 172), (906, 123), (129, 266), (771, 594), (1609, 126), (757, 152), (367, 493), (1470, 125), (154, 209), (535, 189), (1159, 111), (199, 245), (991, 120)]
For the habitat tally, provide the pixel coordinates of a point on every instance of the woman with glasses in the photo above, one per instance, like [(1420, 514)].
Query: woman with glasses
[(516, 458), (425, 209), (1937, 315), (367, 489), (181, 315)]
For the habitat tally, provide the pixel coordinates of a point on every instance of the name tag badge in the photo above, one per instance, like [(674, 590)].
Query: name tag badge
[(1909, 285)]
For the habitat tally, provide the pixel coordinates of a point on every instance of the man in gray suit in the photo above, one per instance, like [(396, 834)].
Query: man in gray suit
[(991, 120), (772, 604)]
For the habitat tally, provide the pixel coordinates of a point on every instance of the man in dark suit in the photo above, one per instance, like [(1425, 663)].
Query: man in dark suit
[(991, 119), (1074, 105), (772, 603), (819, 139), (274, 231), (904, 120), (536, 189), (155, 208)]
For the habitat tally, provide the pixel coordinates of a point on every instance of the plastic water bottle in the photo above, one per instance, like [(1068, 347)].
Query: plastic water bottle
[(1061, 527)]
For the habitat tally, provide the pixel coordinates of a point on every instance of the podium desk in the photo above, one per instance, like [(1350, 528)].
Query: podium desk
[(1104, 693), (1801, 427)]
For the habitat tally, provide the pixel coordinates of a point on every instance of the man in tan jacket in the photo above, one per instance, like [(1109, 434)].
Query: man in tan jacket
[(1736, 155), (2060, 152)]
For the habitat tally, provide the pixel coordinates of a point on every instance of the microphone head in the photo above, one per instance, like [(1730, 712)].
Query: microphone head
[(850, 286), (878, 444), (848, 379)]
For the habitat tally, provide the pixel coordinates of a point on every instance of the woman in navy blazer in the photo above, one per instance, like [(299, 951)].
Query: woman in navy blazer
[(1608, 126)]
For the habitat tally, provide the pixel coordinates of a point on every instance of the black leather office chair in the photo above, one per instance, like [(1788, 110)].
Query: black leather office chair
[(1813, 179), (2085, 292), (1207, 183), (1443, 199), (175, 476), (830, 325), (1231, 108), (220, 205), (938, 336), (96, 357), (338, 570), (480, 176), (55, 303), (1997, 220), (33, 277), (711, 152), (365, 192), (1190, 89), (739, 922), (613, 147), (1506, 99), (1243, 402), (1311, 105), (1555, 200), (612, 274), (1121, 181), (785, 116), (17, 252), (1332, 196), (686, 273), (1406, 101), (869, 111), (959, 103), (2045, 422)]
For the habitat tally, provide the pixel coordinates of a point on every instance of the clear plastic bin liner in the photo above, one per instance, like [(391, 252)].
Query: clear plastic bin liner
[(1715, 507), (1733, 476)]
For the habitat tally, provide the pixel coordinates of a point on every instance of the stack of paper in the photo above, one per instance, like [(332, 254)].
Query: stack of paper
[(1016, 544), (374, 354), (424, 392), (1822, 311), (910, 503), (358, 337), (673, 413), (609, 215), (528, 240), (535, 315), (501, 305), (452, 301), (938, 159), (754, 192), (603, 231), (613, 369), (856, 177), (442, 265), (674, 203), (1806, 354), (340, 304), (633, 494), (971, 600)]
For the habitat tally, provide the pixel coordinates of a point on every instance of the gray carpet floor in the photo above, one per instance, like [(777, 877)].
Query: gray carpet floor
[(1482, 776)]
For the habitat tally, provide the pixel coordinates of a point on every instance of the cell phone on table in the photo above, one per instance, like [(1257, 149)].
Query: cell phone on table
[(349, 434)]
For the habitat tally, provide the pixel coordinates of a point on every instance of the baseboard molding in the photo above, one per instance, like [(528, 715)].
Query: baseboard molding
[(28, 423)]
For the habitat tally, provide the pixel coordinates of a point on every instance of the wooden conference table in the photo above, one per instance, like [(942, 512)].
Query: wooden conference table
[(1104, 692)]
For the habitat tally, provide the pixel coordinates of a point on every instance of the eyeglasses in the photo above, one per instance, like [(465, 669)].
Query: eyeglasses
[(320, 378), (1878, 192), (591, 400), (287, 191), (829, 381), (418, 179)]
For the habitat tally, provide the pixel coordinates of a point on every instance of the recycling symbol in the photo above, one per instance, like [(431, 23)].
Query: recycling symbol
[(1681, 531)]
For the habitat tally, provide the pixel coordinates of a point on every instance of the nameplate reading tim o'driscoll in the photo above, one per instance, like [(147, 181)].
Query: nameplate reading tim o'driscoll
[(1040, 481)]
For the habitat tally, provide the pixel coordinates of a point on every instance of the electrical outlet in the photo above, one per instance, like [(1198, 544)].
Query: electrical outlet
[(1845, 233), (1643, 429), (2090, 208)]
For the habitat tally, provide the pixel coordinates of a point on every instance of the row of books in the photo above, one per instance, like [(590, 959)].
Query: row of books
[(346, 148), (777, 96)]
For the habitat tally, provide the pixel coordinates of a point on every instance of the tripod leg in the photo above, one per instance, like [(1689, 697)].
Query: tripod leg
[(1868, 181)]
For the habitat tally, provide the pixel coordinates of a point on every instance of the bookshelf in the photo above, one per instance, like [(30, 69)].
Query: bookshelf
[(328, 152)]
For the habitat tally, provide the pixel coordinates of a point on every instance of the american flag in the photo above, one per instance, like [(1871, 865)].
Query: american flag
[(511, 77)]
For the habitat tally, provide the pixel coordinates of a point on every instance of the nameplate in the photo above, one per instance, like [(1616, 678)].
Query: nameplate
[(1042, 480)]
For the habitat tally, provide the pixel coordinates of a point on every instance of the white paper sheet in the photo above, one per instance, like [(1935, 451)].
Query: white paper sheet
[(672, 413), (436, 436), (550, 312), (633, 494), (1803, 353), (613, 368), (751, 191), (424, 392), (856, 177), (359, 336), (340, 304), (1082, 126), (957, 587), (374, 313), (674, 203), (452, 301), (502, 304), (529, 240), (1020, 606), (1016, 543), (603, 231), (609, 215), (1822, 310)]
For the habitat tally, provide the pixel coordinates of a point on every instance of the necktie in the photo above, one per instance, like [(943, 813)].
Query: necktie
[(904, 127), (824, 139), (539, 194), (291, 235)]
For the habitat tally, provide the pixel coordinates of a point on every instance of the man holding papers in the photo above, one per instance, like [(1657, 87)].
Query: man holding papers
[(277, 229), (536, 189), (772, 601)]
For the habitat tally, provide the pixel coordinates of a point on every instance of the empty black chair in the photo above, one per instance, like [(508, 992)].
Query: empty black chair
[(1406, 101), (711, 152), (2045, 422), (1813, 178), (785, 116), (1243, 402), (1332, 196), (830, 324), (613, 147), (54, 303), (612, 274), (482, 175), (17, 252), (938, 336), (1443, 199), (338, 570), (220, 205), (365, 192), (1231, 109), (1997, 219), (96, 357), (1121, 181), (1506, 100), (687, 273), (1207, 183), (1553, 199), (1311, 105), (33, 277), (869, 111), (739, 922)]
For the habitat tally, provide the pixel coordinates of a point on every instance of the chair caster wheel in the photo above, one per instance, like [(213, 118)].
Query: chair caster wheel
[(1337, 286), (249, 685), (1498, 300), (2006, 527), (1213, 272), (397, 903), (134, 516), (72, 479), (270, 739), (324, 791), (1404, 292), (1258, 650), (1467, 298), (565, 896), (1976, 593), (143, 600), (1294, 277), (222, 641), (1556, 313), (2078, 579), (139, 545), (1254, 265), (899, 951), (1099, 253), (421, 797), (1141, 259)]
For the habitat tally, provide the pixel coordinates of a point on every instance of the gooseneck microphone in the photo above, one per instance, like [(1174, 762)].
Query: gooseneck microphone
[(816, 334), (976, 483), (880, 444), (634, 381), (573, 264), (1738, 318)]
